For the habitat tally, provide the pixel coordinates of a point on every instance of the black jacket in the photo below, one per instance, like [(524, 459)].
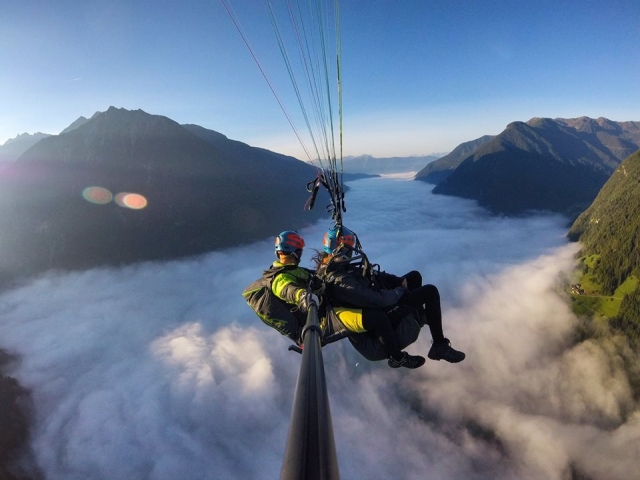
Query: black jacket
[(350, 285)]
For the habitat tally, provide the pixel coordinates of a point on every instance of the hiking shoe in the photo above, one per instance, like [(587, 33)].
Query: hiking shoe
[(443, 351), (407, 361)]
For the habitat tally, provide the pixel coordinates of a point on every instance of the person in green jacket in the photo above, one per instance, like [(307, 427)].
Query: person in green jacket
[(293, 282), (281, 297)]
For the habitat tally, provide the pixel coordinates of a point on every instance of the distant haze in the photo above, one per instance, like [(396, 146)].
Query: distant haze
[(374, 165), (161, 371)]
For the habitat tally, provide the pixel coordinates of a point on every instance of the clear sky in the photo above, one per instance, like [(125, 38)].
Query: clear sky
[(419, 76)]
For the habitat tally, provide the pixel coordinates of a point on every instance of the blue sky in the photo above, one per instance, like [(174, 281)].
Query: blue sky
[(418, 76)]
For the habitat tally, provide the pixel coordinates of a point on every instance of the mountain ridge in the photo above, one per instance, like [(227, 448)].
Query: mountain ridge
[(439, 169), (542, 164), (11, 150), (197, 196)]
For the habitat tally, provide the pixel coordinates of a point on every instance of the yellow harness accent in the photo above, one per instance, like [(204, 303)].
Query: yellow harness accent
[(351, 318)]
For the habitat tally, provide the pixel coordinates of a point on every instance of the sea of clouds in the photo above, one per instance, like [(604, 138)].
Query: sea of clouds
[(161, 371)]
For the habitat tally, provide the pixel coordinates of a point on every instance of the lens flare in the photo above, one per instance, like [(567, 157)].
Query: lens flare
[(97, 195), (135, 201)]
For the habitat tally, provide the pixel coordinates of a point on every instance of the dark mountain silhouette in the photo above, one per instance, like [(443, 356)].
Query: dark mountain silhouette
[(15, 404), (610, 229), (78, 123), (440, 169), (259, 157), (378, 165), (203, 192), (13, 148), (544, 164)]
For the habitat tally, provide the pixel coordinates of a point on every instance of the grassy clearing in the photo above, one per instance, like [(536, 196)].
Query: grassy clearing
[(629, 285), (604, 308), (592, 302)]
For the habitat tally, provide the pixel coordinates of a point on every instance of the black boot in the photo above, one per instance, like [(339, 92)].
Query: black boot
[(407, 361), (442, 350)]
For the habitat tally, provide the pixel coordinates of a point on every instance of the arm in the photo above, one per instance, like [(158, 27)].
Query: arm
[(355, 291), (389, 280), (290, 286)]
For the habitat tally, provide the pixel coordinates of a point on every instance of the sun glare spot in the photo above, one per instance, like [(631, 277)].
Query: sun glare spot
[(97, 195), (102, 196), (134, 201)]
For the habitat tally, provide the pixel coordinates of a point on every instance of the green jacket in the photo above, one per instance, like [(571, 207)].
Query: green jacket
[(291, 283)]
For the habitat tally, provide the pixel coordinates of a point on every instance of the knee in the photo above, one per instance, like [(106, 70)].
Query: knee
[(373, 319), (414, 279), (432, 293)]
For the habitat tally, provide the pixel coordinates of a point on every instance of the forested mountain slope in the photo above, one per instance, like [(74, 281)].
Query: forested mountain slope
[(610, 230)]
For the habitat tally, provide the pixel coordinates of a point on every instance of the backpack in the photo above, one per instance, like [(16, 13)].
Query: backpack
[(272, 310)]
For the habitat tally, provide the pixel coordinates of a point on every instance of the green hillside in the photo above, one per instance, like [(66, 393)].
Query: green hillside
[(609, 231)]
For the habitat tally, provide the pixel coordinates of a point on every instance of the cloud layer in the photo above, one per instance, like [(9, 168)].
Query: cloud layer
[(161, 371)]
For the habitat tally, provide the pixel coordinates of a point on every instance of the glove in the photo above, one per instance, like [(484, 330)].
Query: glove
[(305, 301)]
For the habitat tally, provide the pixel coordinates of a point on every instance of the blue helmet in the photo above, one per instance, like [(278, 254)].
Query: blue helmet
[(289, 242), (337, 236)]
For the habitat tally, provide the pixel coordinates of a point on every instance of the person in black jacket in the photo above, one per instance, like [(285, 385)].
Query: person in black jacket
[(359, 306), (359, 285), (294, 285)]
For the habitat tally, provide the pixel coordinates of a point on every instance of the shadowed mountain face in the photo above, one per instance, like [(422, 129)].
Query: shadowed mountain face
[(544, 164), (198, 192), (440, 169)]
